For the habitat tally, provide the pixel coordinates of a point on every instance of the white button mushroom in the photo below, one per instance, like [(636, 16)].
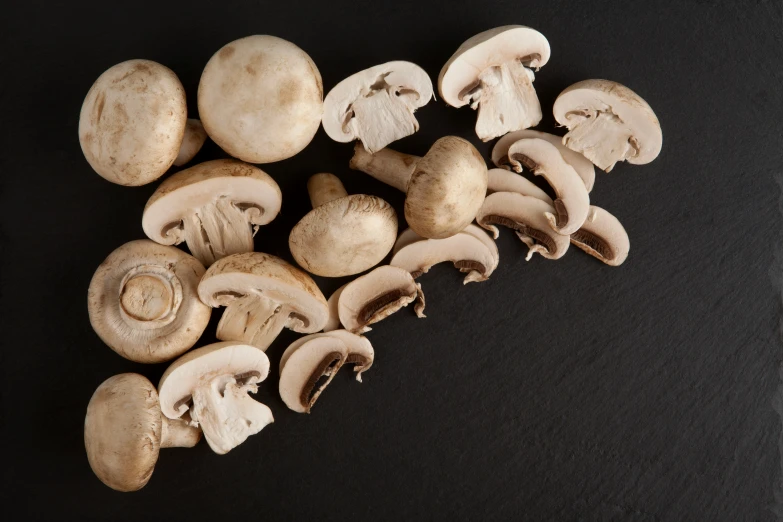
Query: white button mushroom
[(603, 237), (133, 124), (502, 180), (492, 72), (376, 106), (261, 99)]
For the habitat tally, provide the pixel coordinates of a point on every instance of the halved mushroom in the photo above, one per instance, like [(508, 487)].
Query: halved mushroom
[(143, 302), (262, 294), (502, 180), (134, 123), (603, 237), (124, 432), (209, 387), (582, 165), (216, 207), (376, 106), (608, 122), (526, 216), (572, 201), (343, 235), (444, 189), (307, 360), (492, 72)]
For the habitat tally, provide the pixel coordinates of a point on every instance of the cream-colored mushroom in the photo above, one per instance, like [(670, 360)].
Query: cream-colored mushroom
[(261, 99), (209, 386), (444, 189), (134, 123), (124, 432), (376, 105), (502, 180), (343, 235), (608, 122), (143, 302), (262, 294), (492, 72), (216, 207), (603, 237), (333, 323)]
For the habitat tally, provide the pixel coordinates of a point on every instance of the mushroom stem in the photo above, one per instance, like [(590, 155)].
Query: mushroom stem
[(601, 137), (389, 166), (178, 434), (219, 229), (324, 188), (194, 139), (252, 319)]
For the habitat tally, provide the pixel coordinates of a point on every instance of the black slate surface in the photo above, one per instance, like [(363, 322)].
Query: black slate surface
[(555, 391)]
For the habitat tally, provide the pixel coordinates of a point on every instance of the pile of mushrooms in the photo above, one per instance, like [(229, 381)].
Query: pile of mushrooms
[(260, 99)]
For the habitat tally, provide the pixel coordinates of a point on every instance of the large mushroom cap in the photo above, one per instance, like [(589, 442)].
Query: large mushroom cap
[(260, 99), (132, 122)]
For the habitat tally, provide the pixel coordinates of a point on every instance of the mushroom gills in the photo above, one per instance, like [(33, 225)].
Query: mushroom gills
[(593, 245), (383, 306), (254, 319), (603, 237), (600, 136), (320, 378)]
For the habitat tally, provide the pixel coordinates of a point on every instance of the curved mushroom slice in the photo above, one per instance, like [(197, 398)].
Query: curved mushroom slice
[(492, 72), (262, 294), (608, 122), (502, 180), (216, 207), (211, 384), (583, 166), (333, 323), (526, 216), (572, 201), (603, 237), (376, 105)]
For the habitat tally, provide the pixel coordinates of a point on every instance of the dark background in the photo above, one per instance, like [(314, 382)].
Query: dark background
[(563, 390)]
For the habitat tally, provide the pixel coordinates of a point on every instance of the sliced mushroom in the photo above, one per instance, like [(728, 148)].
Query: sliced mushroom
[(376, 106), (333, 323), (492, 72), (134, 123), (526, 216), (444, 189), (343, 235), (210, 386), (124, 432), (143, 302), (608, 122), (502, 180), (216, 207), (262, 294), (603, 237)]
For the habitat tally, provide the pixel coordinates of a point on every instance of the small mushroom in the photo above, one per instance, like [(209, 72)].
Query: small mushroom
[(608, 122), (502, 180), (526, 216), (603, 237), (209, 388), (492, 72), (376, 106), (444, 189), (309, 359), (582, 165), (216, 207), (262, 294), (343, 235), (134, 123), (261, 99), (124, 432), (572, 200), (143, 302)]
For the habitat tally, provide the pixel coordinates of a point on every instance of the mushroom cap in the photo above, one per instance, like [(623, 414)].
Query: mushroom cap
[(446, 188), (132, 122), (355, 344), (122, 431), (192, 188), (260, 99), (603, 237), (488, 49), (143, 301), (628, 106), (502, 180), (375, 296), (344, 236), (194, 139)]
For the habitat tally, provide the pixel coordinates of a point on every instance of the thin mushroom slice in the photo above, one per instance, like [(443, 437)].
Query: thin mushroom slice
[(502, 180), (603, 237), (360, 351), (526, 216), (333, 323)]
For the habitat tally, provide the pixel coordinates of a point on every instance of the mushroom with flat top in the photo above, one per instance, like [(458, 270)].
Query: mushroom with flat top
[(603, 237)]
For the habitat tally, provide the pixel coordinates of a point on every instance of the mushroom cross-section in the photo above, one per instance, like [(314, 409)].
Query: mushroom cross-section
[(444, 188), (343, 235), (608, 122), (492, 72), (262, 294), (209, 388), (502, 180), (216, 207), (376, 106), (143, 301), (603, 237), (124, 432)]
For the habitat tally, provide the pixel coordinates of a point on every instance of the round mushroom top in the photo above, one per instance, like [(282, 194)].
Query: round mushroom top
[(133, 121), (122, 431), (260, 99)]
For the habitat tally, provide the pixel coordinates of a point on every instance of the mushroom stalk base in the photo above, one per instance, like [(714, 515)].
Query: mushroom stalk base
[(389, 166), (601, 137), (324, 188), (252, 319), (219, 229), (178, 434)]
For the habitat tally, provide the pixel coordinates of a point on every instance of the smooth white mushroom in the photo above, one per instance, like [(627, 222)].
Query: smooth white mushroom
[(603, 237), (502, 180)]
